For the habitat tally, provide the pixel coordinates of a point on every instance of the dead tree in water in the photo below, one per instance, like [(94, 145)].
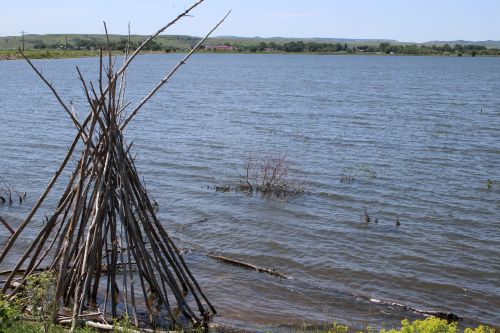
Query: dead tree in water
[(105, 218), (6, 193)]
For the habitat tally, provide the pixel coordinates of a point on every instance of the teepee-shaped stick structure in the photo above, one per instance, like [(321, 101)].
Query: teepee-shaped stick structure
[(104, 242)]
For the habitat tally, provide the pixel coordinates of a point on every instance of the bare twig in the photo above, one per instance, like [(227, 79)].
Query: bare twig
[(162, 29), (54, 92), (170, 74)]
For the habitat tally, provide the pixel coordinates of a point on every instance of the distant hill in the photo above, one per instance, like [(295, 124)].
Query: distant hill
[(487, 43), (253, 40), (185, 42), (80, 40), (354, 41)]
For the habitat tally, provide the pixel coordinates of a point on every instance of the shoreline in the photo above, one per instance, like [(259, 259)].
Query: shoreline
[(75, 54), (429, 325)]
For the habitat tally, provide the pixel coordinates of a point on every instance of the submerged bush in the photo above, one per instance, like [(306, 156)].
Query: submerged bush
[(268, 175), (8, 193)]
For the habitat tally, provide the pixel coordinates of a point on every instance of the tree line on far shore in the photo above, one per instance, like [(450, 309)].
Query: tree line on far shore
[(95, 44), (289, 47), (385, 48)]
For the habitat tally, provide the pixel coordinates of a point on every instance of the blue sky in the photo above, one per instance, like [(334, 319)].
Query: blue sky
[(404, 20)]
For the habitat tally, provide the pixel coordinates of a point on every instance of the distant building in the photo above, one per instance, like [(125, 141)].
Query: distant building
[(219, 48)]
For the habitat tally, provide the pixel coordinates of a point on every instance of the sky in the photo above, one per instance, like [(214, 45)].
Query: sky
[(402, 20)]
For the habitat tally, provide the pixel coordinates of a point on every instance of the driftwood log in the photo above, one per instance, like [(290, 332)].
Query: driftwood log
[(448, 316), (270, 271)]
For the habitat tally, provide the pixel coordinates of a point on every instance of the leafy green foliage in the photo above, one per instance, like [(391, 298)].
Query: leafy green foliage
[(435, 325), (336, 328), (39, 297), (123, 325), (429, 325), (36, 300), (8, 316), (384, 47), (32, 327), (480, 329)]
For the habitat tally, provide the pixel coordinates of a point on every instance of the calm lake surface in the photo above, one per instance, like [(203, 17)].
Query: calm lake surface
[(419, 135)]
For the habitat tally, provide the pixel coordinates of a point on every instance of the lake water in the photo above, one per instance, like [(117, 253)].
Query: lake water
[(419, 135)]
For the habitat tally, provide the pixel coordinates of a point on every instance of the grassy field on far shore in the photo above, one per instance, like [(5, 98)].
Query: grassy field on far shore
[(47, 54), (61, 54)]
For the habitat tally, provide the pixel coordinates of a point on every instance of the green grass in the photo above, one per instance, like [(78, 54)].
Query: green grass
[(428, 325), (48, 54), (32, 327)]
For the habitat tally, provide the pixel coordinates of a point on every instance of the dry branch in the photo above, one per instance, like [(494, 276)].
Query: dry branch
[(53, 90), (170, 74), (6, 225), (162, 29)]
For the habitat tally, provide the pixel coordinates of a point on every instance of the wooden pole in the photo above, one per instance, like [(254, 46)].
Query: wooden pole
[(22, 34), (6, 225)]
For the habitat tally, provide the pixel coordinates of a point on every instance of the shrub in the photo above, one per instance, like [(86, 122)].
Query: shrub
[(269, 175), (480, 329), (39, 297), (8, 316), (435, 325), (429, 325), (122, 325)]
